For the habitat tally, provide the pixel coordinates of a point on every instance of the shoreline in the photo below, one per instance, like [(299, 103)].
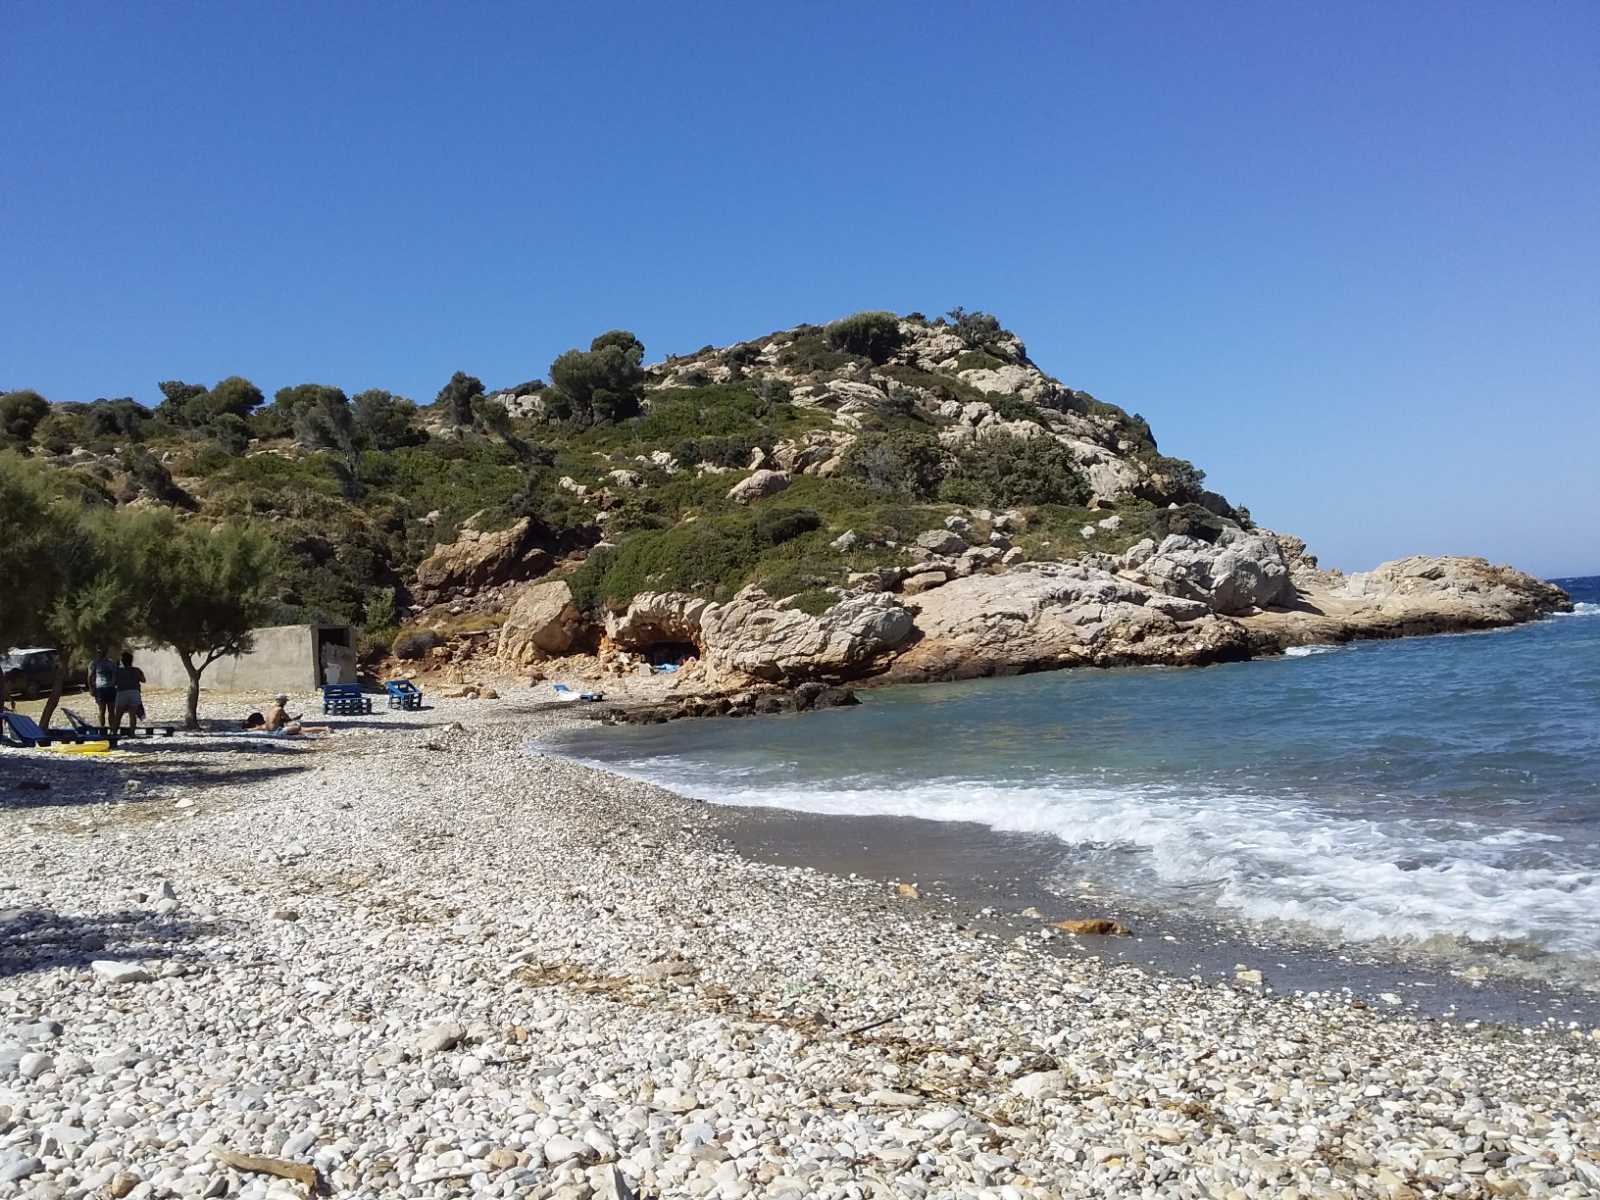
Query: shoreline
[(985, 877), (427, 962)]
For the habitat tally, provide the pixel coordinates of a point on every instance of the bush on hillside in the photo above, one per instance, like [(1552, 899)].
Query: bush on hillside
[(1003, 471), (874, 335), (60, 431), (414, 644), (599, 385), (20, 414), (455, 398), (900, 464), (979, 330), (712, 556)]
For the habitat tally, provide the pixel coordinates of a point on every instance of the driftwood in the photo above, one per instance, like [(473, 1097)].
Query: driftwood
[(260, 1164)]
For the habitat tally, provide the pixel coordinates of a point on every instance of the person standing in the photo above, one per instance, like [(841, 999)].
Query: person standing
[(129, 680), (103, 683)]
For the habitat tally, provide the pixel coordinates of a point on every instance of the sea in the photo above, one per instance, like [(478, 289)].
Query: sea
[(1437, 793)]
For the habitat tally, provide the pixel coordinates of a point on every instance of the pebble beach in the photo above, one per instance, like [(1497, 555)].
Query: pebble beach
[(418, 959)]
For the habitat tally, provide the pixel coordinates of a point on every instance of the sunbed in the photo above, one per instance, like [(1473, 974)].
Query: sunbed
[(22, 730), (84, 729)]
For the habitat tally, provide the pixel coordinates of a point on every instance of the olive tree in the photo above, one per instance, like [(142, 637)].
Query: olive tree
[(20, 414), (603, 383), (205, 589)]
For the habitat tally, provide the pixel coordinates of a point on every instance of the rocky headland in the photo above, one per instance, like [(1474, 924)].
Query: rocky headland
[(884, 498)]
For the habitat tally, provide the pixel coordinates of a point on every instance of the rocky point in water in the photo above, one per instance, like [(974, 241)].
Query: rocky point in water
[(1097, 551)]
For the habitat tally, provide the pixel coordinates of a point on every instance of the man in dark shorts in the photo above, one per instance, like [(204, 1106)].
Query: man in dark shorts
[(103, 682), (129, 680)]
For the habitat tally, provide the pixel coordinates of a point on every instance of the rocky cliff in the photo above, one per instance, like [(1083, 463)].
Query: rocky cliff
[(881, 497), (1120, 558)]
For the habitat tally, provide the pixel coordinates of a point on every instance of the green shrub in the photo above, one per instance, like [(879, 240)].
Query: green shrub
[(715, 410), (773, 526), (712, 556), (601, 384), (721, 451), (977, 329), (60, 431), (978, 360), (1015, 408), (1177, 479), (20, 414), (1002, 471), (900, 464), (872, 335), (414, 644), (814, 601), (810, 352)]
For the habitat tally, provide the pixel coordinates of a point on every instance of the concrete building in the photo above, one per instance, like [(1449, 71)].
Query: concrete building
[(285, 658)]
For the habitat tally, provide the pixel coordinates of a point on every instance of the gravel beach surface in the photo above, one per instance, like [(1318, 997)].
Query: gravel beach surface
[(416, 960)]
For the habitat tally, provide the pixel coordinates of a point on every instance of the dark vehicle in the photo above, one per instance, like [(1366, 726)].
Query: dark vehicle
[(33, 673)]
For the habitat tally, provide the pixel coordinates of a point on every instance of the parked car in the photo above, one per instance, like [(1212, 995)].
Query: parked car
[(32, 672)]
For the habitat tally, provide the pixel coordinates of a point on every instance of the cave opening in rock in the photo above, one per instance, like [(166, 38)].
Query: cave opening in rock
[(661, 654)]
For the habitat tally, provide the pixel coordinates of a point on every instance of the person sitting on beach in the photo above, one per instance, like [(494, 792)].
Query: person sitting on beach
[(103, 685), (128, 679), (279, 717), (280, 722)]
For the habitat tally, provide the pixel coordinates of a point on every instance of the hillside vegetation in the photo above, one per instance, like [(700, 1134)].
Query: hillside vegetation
[(802, 461)]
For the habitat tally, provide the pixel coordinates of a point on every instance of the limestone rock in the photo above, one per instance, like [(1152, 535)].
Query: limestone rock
[(441, 1037), (924, 581), (942, 541), (119, 972), (1239, 572), (749, 636), (478, 560), (1043, 615), (1473, 585), (544, 622), (655, 617), (1040, 1085), (758, 486)]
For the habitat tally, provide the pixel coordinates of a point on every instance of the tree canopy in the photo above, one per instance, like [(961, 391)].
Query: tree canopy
[(603, 383)]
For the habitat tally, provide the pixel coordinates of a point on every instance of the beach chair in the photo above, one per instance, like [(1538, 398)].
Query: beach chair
[(83, 729), (21, 730), (564, 692), (345, 700), (403, 694)]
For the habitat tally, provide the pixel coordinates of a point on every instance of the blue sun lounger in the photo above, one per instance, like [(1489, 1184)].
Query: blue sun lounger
[(21, 730)]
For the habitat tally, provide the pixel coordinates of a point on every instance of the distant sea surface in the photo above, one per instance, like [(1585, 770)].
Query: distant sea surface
[(1433, 790)]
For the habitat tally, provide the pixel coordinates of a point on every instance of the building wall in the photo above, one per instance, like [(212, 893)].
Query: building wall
[(284, 659)]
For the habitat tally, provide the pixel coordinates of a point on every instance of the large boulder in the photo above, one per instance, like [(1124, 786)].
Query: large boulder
[(758, 486), (1410, 596), (543, 623), (1237, 573), (1044, 615), (477, 560), (751, 637), (1480, 592), (656, 617)]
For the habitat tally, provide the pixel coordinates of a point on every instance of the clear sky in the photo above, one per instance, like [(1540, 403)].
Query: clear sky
[(1346, 256)]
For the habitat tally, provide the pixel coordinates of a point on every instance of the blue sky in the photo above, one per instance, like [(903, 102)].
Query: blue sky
[(1345, 257)]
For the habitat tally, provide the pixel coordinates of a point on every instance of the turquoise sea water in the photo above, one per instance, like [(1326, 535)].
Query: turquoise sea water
[(1431, 789)]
